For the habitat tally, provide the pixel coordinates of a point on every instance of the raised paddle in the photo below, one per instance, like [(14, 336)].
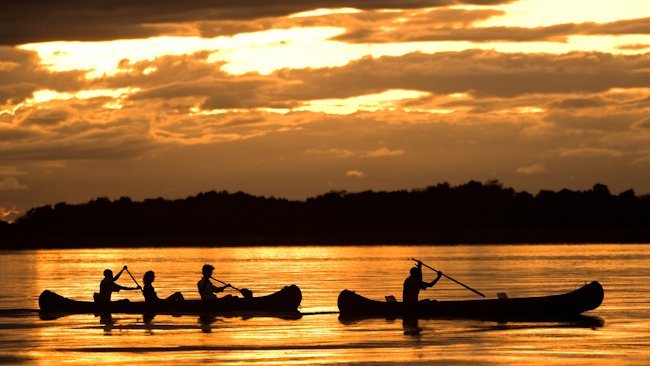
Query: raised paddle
[(462, 284), (246, 293), (133, 278)]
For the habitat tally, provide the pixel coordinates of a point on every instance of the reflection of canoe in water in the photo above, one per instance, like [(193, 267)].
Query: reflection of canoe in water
[(567, 305), (284, 301)]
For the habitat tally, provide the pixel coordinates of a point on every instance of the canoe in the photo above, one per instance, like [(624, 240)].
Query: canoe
[(283, 301), (563, 306)]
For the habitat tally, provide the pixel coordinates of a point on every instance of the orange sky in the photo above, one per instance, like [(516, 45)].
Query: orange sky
[(293, 99)]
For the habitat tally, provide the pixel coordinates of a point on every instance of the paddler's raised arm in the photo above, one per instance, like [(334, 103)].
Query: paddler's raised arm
[(119, 274)]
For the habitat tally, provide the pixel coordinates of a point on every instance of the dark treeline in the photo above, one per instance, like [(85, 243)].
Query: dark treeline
[(470, 213)]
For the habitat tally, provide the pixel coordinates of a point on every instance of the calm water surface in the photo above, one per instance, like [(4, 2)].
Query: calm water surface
[(321, 273)]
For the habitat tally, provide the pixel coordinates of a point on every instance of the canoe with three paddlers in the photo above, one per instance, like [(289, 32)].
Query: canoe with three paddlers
[(286, 300), (562, 306)]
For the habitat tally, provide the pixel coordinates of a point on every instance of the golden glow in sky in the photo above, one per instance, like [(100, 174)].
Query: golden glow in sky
[(143, 102), (535, 13)]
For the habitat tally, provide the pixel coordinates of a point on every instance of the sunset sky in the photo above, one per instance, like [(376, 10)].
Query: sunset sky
[(295, 98)]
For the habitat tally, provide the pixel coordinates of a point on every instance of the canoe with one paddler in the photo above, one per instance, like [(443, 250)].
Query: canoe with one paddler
[(574, 303), (285, 300)]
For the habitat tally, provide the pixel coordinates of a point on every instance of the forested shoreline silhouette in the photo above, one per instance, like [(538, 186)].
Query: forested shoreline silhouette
[(469, 213)]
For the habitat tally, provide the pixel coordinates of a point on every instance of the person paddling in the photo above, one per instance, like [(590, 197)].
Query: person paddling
[(108, 285), (206, 289), (149, 292), (413, 284)]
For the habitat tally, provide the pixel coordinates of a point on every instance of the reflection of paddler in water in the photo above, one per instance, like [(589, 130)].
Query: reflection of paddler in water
[(108, 286), (411, 326), (149, 292), (206, 321), (106, 319)]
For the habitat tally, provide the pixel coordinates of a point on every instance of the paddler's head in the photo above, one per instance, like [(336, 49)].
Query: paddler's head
[(207, 270), (416, 272), (108, 273), (148, 277)]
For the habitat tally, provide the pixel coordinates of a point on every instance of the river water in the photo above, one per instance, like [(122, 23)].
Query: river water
[(617, 332)]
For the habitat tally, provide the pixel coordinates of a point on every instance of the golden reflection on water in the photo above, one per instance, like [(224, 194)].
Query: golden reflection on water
[(322, 272)]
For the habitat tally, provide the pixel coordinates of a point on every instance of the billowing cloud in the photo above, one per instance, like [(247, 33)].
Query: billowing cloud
[(355, 174), (532, 169), (21, 73), (12, 184)]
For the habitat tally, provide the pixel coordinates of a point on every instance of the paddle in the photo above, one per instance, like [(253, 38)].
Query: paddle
[(462, 284), (133, 278), (246, 293)]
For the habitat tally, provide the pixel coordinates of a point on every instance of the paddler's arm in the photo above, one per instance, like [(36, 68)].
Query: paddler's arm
[(119, 274), (432, 283), (217, 289), (117, 288)]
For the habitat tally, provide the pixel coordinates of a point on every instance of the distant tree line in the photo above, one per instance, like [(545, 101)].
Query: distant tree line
[(469, 213)]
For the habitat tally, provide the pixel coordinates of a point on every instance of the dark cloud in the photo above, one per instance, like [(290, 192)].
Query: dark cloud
[(362, 26), (46, 117), (45, 20), (481, 73), (643, 124), (72, 130), (431, 27), (21, 74), (175, 77), (627, 26), (616, 121), (579, 102), (633, 47), (222, 94), (190, 81), (12, 134), (90, 147), (427, 27), (164, 70)]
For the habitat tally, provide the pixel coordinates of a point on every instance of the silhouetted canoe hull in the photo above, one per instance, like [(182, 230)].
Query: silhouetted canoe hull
[(571, 304), (286, 300)]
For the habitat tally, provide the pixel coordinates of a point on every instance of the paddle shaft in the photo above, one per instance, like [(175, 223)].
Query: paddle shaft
[(227, 284), (133, 278), (462, 284)]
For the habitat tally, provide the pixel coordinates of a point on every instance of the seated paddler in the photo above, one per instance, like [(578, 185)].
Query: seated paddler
[(149, 292), (413, 284), (108, 286), (206, 289)]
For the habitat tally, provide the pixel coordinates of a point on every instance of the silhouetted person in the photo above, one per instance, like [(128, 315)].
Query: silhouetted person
[(108, 286), (413, 284), (206, 289), (150, 293)]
